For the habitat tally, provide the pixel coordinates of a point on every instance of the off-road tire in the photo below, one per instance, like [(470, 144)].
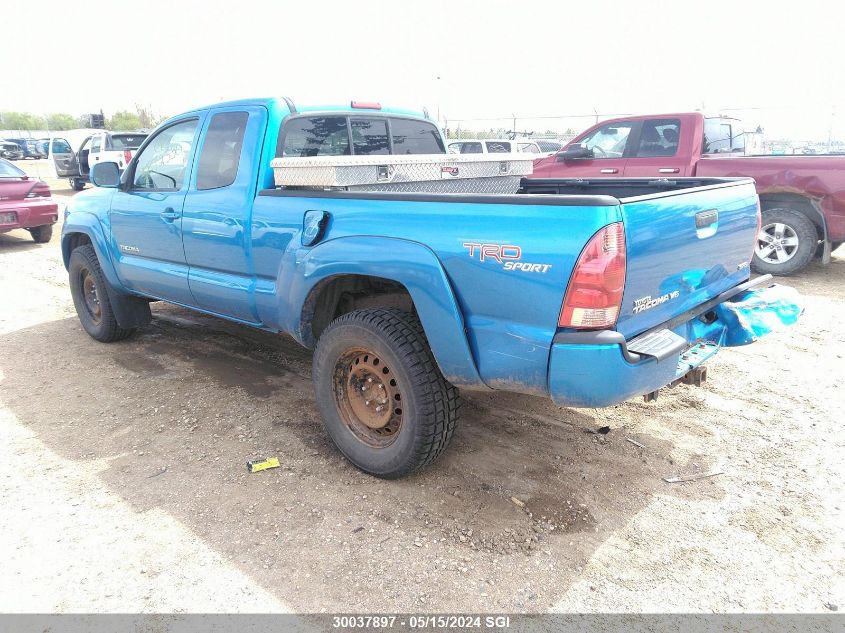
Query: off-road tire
[(808, 239), (430, 404), (84, 263), (41, 234)]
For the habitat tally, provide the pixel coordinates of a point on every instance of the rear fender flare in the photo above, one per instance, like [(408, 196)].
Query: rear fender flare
[(411, 264)]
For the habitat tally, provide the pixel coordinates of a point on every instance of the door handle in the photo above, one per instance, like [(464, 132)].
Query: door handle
[(668, 170), (169, 214), (609, 170)]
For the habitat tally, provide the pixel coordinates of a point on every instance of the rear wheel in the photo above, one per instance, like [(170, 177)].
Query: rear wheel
[(786, 242), (41, 234), (90, 297), (382, 397), (76, 184)]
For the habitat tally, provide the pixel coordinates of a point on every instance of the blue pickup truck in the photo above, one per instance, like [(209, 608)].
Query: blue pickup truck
[(588, 292)]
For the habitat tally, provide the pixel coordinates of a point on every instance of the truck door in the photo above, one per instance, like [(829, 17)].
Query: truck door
[(216, 221), (63, 158), (96, 150), (146, 214), (608, 146), (658, 150)]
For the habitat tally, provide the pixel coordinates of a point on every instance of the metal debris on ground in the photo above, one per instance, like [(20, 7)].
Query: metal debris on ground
[(634, 442), (681, 478), (257, 465)]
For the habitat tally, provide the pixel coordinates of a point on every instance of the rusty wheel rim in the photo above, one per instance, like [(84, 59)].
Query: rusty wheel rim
[(92, 299), (368, 397)]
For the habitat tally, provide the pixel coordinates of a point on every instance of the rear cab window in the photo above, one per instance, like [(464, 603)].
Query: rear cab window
[(369, 136), (415, 137), (126, 141), (344, 135)]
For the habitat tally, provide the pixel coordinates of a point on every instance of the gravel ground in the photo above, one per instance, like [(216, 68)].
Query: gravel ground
[(123, 485)]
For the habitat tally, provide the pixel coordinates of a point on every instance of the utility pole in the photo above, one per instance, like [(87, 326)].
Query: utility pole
[(830, 129)]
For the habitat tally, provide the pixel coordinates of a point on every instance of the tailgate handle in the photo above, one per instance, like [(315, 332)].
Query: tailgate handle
[(703, 219)]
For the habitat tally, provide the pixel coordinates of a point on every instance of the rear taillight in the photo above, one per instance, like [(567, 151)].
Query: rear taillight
[(595, 290), (127, 156), (42, 191)]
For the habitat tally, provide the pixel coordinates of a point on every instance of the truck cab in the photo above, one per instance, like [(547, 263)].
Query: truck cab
[(802, 197), (653, 146)]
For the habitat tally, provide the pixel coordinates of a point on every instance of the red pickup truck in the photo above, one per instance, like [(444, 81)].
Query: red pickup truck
[(802, 197)]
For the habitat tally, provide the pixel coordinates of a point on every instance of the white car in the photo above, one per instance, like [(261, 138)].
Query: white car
[(73, 155), (493, 146)]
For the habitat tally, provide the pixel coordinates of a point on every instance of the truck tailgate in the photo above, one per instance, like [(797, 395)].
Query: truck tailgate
[(683, 248)]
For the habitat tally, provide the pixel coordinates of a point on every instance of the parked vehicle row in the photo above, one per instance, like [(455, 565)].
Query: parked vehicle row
[(72, 159), (802, 197), (587, 292)]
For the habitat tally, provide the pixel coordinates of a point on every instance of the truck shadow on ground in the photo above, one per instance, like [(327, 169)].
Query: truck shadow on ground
[(504, 521)]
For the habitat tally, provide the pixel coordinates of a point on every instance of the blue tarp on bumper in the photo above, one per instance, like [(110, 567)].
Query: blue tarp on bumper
[(757, 312)]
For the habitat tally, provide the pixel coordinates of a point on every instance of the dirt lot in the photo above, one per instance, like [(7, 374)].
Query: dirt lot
[(123, 486)]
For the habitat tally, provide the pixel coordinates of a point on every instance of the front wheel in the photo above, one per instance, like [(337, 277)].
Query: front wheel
[(382, 397), (786, 242), (76, 184), (90, 297)]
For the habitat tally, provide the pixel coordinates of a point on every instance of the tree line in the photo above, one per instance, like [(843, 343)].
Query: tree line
[(123, 120)]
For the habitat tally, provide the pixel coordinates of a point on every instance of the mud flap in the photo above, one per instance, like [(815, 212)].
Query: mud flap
[(755, 313)]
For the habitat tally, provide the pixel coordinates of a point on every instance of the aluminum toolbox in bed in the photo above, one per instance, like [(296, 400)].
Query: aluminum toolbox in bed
[(438, 173)]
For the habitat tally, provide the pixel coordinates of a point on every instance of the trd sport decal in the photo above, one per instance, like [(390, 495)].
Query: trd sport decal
[(508, 255)]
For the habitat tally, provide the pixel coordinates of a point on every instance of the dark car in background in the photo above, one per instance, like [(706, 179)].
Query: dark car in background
[(10, 150), (26, 203), (28, 146)]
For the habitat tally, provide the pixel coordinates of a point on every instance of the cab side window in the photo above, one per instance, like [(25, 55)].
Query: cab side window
[(659, 137), (221, 150), (161, 166)]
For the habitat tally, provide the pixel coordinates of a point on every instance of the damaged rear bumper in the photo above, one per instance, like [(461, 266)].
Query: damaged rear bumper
[(602, 368)]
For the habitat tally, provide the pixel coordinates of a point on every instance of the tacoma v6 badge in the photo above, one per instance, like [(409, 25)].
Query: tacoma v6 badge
[(646, 303), (508, 255)]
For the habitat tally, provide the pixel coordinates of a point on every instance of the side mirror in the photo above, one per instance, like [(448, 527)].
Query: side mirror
[(105, 174), (575, 152)]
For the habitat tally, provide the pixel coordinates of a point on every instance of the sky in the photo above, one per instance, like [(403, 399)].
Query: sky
[(776, 64)]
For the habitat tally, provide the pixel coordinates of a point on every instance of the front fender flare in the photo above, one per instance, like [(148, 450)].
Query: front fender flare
[(89, 224), (411, 264)]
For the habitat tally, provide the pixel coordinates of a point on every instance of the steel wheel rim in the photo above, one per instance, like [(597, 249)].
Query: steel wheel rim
[(777, 243), (89, 294), (368, 397)]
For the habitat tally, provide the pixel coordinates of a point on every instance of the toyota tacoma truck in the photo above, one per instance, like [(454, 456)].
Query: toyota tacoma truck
[(587, 293), (802, 197)]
